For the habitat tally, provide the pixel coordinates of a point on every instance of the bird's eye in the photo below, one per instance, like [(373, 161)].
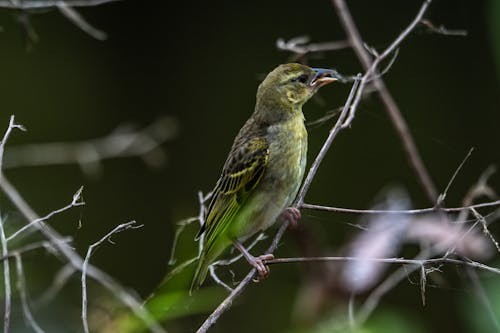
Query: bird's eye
[(302, 78)]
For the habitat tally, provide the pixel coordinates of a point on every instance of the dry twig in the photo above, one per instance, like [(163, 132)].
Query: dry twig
[(91, 249)]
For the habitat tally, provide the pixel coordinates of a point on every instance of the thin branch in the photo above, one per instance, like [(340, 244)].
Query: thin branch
[(393, 111), (301, 46), (91, 249), (217, 280), (228, 301), (74, 17), (409, 211), (442, 30), (76, 261), (324, 149), (31, 247), (121, 143), (21, 286), (401, 261), (6, 275), (442, 196), (28, 228), (35, 4), (11, 126)]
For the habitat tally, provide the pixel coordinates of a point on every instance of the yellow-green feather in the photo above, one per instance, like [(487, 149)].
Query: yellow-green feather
[(264, 169)]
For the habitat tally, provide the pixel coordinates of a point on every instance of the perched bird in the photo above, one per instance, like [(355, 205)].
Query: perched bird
[(265, 166)]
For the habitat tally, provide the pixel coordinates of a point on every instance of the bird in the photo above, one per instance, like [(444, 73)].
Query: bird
[(264, 169)]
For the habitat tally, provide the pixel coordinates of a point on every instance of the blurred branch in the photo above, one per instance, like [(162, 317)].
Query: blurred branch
[(397, 276), (78, 20), (43, 4), (60, 246), (301, 47), (442, 30), (91, 249), (65, 8), (122, 142), (60, 279), (23, 293), (6, 275)]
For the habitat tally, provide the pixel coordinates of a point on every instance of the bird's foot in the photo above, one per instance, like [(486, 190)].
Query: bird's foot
[(260, 265), (292, 215)]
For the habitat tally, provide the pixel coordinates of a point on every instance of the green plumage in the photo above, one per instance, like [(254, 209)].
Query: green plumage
[(265, 166)]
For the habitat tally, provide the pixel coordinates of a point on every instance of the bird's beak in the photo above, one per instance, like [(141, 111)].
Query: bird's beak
[(323, 77)]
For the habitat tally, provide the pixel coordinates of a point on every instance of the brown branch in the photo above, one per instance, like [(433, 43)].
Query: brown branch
[(392, 108)]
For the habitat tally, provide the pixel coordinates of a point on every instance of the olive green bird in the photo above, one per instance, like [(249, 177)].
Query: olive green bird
[(265, 166)]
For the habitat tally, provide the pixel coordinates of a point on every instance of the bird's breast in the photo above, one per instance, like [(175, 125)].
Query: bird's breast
[(287, 158)]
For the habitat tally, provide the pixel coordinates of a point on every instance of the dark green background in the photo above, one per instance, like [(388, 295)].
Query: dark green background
[(201, 62)]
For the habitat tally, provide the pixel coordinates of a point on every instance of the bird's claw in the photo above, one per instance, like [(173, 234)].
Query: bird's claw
[(292, 215), (262, 269)]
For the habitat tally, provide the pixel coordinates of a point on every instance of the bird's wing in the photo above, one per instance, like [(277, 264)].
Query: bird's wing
[(241, 174)]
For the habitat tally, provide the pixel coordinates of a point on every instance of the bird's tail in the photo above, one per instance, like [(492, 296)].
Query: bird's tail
[(200, 273)]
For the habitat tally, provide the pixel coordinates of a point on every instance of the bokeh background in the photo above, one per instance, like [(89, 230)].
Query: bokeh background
[(200, 64)]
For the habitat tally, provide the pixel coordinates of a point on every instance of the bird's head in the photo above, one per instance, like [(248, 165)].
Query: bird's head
[(289, 86)]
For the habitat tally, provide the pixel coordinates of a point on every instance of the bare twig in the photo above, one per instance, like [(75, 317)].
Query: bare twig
[(91, 249), (442, 30), (40, 4), (60, 245), (217, 280), (23, 293), (31, 247), (409, 211), (442, 196), (6, 275), (228, 301), (393, 279), (122, 142), (483, 223), (71, 14), (301, 46), (11, 126), (394, 113), (28, 228), (339, 125), (400, 261)]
